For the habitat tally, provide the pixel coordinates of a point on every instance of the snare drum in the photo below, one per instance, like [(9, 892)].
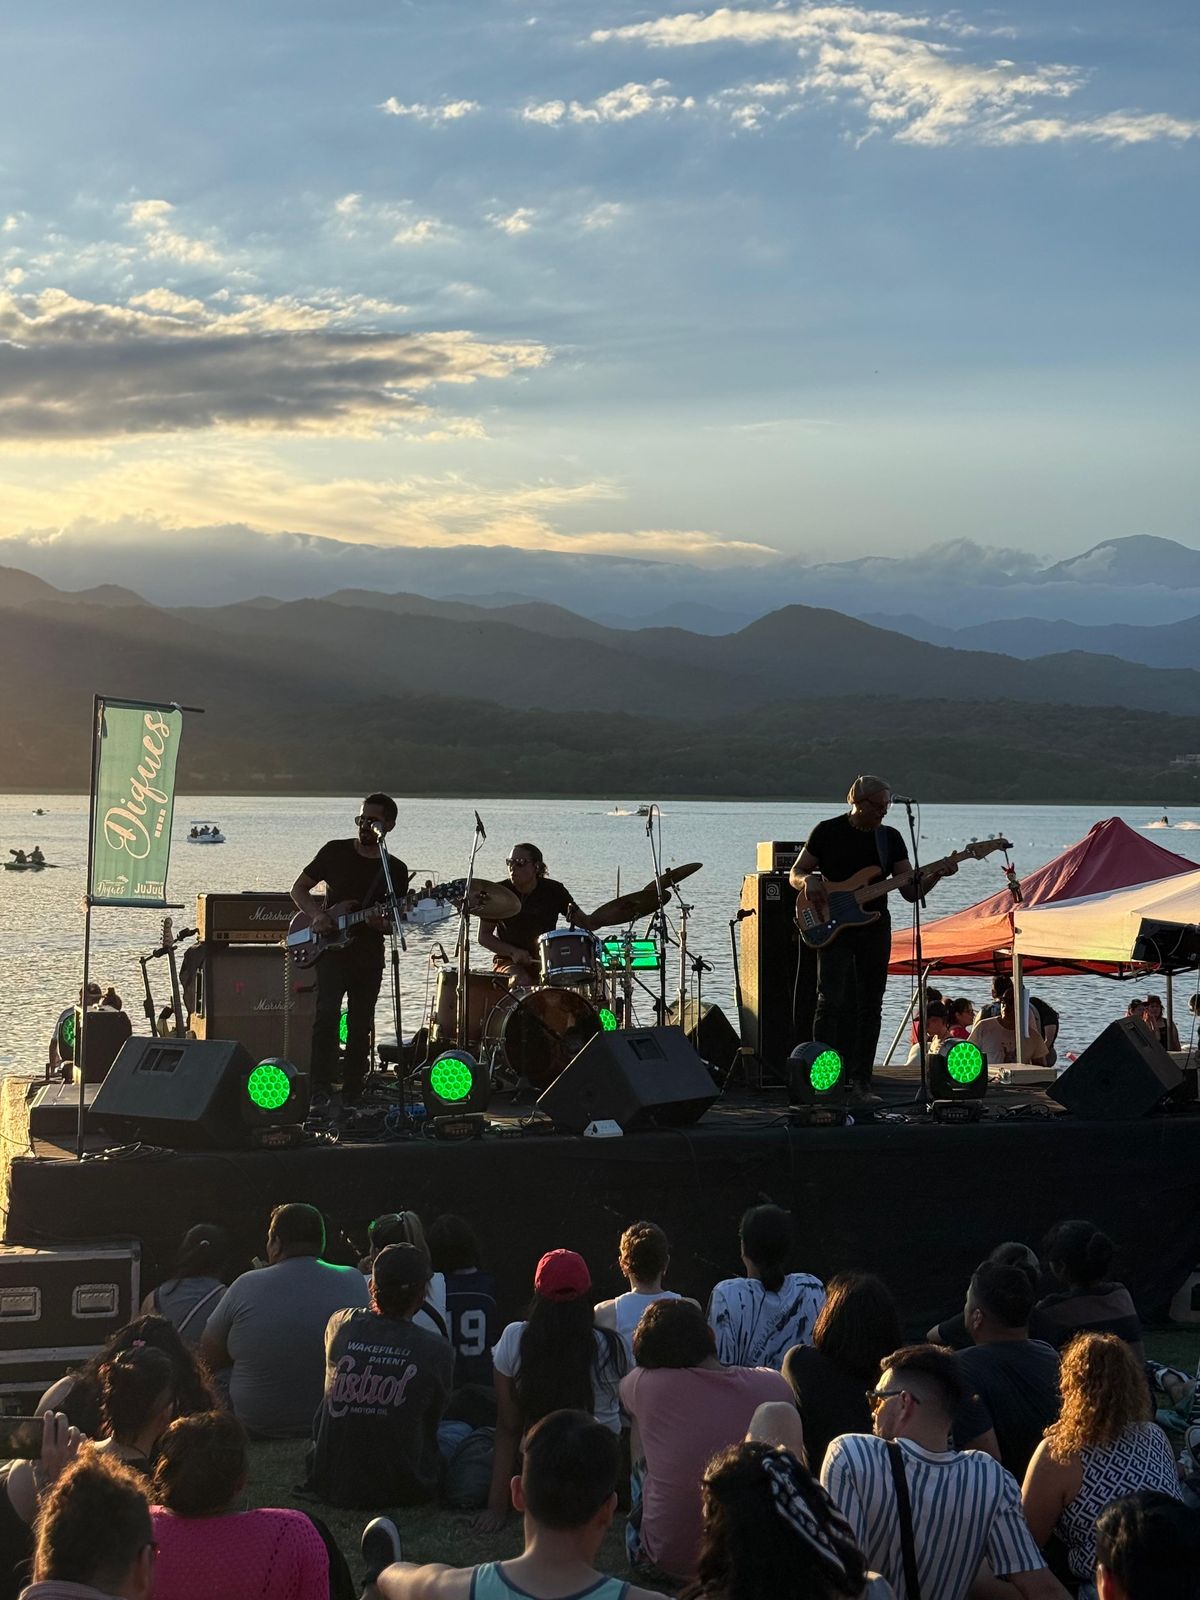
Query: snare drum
[(534, 1035), (570, 958)]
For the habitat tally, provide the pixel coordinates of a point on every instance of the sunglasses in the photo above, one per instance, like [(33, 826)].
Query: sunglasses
[(361, 820), (518, 861), (876, 1397)]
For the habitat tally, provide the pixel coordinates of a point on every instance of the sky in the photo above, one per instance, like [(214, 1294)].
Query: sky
[(715, 287)]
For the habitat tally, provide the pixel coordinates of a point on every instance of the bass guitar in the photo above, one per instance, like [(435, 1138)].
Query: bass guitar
[(847, 901), (306, 947)]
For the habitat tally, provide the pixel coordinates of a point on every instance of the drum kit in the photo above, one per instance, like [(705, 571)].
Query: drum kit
[(526, 1034)]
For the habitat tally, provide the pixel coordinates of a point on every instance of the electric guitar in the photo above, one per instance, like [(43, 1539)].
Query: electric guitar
[(168, 944), (848, 900), (307, 947)]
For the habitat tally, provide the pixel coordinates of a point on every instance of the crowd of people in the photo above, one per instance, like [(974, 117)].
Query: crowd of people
[(781, 1440)]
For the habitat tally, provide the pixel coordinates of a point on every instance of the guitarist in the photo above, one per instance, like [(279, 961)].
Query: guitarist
[(852, 969), (353, 877)]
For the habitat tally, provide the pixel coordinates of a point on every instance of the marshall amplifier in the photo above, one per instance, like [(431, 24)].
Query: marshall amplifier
[(253, 993), (59, 1305), (257, 916)]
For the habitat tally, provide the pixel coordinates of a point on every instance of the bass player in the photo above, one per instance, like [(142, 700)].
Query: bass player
[(852, 969), (353, 877)]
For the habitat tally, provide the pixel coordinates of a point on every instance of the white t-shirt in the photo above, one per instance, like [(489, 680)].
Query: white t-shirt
[(964, 1506), (627, 1312), (606, 1402), (756, 1327), (999, 1044)]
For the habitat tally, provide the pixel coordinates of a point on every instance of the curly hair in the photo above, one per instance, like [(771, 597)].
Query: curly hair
[(1103, 1391), (644, 1251)]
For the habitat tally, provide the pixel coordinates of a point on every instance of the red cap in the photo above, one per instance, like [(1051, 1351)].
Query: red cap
[(562, 1275)]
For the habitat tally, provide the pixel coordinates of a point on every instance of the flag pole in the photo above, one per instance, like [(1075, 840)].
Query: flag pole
[(81, 1031)]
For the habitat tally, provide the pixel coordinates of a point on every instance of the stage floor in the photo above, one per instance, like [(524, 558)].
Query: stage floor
[(919, 1203)]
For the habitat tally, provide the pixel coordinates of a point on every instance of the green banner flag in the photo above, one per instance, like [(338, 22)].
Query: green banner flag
[(133, 802)]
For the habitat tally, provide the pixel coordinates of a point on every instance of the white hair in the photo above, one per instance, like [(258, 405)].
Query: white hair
[(867, 783)]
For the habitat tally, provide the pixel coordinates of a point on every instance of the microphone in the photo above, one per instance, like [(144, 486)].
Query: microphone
[(745, 913), (479, 827), (649, 822), (903, 800), (376, 828)]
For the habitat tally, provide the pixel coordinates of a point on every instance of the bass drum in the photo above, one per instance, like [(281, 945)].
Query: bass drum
[(484, 989), (533, 1036)]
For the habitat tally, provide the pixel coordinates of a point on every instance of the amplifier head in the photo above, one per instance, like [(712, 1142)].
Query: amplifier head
[(256, 916), (776, 855)]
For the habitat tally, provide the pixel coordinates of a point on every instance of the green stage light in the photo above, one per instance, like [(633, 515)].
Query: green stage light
[(964, 1062), (66, 1034), (817, 1083), (343, 1027), (277, 1093), (608, 1020), (455, 1083), (824, 1072)]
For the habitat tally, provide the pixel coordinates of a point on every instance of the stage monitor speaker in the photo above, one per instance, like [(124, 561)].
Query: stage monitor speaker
[(638, 1077), (712, 1033), (176, 1092), (778, 998), (246, 992), (1123, 1073)]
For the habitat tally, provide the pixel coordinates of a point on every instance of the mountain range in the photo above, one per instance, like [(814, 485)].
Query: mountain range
[(527, 697)]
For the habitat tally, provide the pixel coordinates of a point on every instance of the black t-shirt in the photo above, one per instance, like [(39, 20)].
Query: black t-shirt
[(474, 1325), (842, 850), (832, 1400), (386, 1386), (1016, 1384), (539, 913), (350, 876), (953, 1332)]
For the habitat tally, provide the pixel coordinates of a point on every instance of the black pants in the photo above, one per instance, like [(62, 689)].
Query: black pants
[(851, 979), (356, 973)]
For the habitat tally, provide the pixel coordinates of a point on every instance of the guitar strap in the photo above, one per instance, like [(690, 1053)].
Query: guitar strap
[(881, 851)]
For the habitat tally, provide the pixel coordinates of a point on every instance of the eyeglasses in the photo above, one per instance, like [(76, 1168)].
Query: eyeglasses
[(876, 1397), (362, 819), (518, 861)]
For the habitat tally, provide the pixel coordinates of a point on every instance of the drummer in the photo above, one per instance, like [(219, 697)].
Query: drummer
[(514, 942)]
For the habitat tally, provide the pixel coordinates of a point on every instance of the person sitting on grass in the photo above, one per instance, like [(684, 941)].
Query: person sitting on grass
[(207, 1544), (757, 1319), (685, 1407), (188, 1295), (138, 1392), (557, 1359), (269, 1326), (95, 1540), (386, 1386), (1148, 1548), (470, 1297), (645, 1255), (79, 1395), (772, 1533), (566, 1493), (1080, 1257)]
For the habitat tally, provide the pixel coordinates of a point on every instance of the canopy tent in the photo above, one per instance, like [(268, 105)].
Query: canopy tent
[(1101, 928), (978, 941)]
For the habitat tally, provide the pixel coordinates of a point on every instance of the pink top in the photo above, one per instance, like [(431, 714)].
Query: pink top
[(253, 1555), (684, 1416)]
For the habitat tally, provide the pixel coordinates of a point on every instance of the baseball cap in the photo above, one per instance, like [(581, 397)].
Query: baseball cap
[(562, 1275), (401, 1266)]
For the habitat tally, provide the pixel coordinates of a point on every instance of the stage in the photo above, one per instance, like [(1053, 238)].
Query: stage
[(919, 1203)]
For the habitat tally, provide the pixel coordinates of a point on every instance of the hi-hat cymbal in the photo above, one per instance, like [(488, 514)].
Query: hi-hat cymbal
[(493, 902), (626, 908), (671, 877)]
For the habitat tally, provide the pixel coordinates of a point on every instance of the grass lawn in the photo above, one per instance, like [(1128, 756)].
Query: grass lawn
[(432, 1534)]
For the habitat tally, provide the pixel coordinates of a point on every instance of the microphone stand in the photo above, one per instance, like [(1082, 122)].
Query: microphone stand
[(658, 922), (397, 936), (463, 951), (918, 957)]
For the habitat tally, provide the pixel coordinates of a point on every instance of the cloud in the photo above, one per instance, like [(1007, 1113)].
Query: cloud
[(421, 230), (354, 215), (76, 370), (152, 219), (618, 105), (12, 222), (518, 221), (603, 215), (1117, 127), (448, 111), (910, 76)]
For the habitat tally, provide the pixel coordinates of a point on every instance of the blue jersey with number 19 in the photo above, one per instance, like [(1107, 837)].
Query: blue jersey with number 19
[(474, 1325)]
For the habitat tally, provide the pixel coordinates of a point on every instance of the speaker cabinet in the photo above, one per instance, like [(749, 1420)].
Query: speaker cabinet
[(252, 993), (711, 1032), (1123, 1073), (178, 1092), (638, 1077), (779, 973), (103, 1036)]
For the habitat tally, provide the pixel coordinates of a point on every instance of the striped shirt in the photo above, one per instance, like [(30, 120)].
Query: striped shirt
[(965, 1506)]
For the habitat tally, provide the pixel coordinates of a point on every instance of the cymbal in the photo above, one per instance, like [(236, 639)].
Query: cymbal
[(674, 875), (626, 908), (493, 902)]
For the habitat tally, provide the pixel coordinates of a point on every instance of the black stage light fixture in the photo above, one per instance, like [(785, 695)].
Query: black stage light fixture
[(275, 1094), (455, 1085), (816, 1078), (958, 1081)]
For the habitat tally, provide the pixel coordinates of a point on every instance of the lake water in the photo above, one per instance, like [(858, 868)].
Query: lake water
[(270, 840)]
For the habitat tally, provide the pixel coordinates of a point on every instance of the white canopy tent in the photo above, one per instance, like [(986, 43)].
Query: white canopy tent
[(1104, 927)]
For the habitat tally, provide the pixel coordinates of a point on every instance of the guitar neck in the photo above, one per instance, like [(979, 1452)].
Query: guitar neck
[(869, 891)]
